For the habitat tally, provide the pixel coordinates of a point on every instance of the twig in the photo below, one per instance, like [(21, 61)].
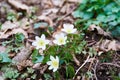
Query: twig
[(81, 66), (91, 64), (95, 70), (116, 65), (75, 59)]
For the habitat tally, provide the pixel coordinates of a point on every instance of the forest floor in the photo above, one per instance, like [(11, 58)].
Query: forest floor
[(96, 58)]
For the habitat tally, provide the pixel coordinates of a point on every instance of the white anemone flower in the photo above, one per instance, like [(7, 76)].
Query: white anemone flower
[(40, 43), (69, 28), (54, 63), (60, 39)]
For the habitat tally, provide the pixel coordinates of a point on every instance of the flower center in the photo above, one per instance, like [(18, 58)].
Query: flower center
[(41, 43), (55, 63), (69, 30), (61, 40)]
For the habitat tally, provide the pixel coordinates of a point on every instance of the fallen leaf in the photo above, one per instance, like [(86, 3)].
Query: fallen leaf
[(48, 11), (18, 5), (47, 19), (2, 48), (75, 1), (99, 30), (58, 3), (9, 25), (23, 54), (24, 64), (107, 45), (14, 31)]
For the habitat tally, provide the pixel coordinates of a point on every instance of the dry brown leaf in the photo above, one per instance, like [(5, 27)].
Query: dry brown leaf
[(107, 45), (23, 54), (48, 11), (25, 23), (75, 1), (9, 25), (14, 31), (18, 5), (2, 48), (47, 19), (99, 29), (58, 2), (36, 66), (23, 64)]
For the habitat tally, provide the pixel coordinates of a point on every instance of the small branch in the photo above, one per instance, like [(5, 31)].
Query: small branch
[(116, 65), (95, 70), (81, 66), (76, 60)]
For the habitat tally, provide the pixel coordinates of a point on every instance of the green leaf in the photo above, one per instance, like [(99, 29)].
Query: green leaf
[(39, 59), (19, 37), (47, 76), (113, 23), (70, 72), (68, 57), (101, 17), (87, 15), (46, 59), (77, 14), (57, 75), (4, 57), (40, 24), (36, 58), (116, 32)]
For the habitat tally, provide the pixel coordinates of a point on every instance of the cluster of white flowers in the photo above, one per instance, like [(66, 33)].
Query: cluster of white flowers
[(60, 39)]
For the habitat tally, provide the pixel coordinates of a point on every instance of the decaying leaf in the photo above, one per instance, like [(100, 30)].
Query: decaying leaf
[(47, 19), (99, 29), (14, 31), (2, 48), (107, 45), (51, 10), (9, 25), (23, 64), (18, 5), (76, 1), (58, 2), (23, 54)]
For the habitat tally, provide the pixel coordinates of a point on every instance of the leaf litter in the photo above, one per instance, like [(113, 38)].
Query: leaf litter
[(54, 13)]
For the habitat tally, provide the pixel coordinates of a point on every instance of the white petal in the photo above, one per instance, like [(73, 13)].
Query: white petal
[(49, 63), (42, 36), (65, 26), (55, 41), (55, 69), (64, 30), (57, 59), (65, 38), (52, 58), (37, 37), (47, 41), (56, 36), (71, 26), (74, 30), (50, 68), (43, 47), (37, 47), (34, 43), (61, 35)]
